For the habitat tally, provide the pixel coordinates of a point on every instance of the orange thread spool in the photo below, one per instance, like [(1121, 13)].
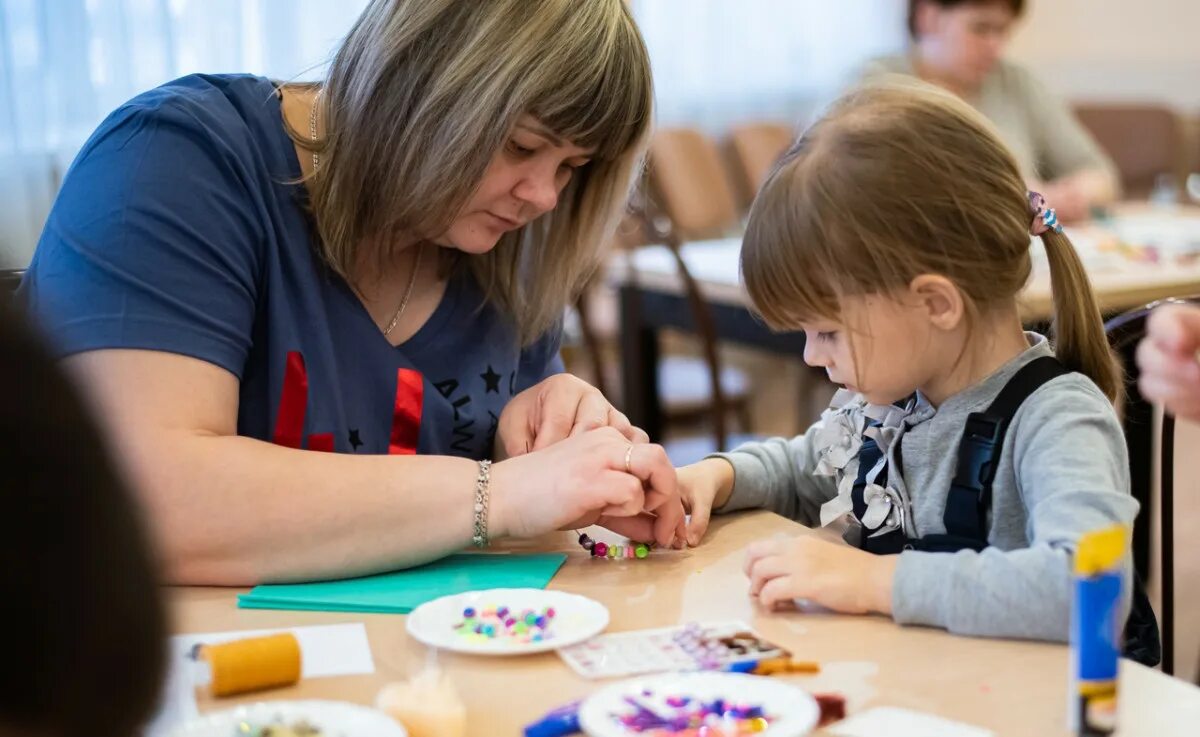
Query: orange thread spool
[(253, 664)]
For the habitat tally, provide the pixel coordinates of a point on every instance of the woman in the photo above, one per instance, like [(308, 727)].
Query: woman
[(959, 45), (244, 274), (87, 645)]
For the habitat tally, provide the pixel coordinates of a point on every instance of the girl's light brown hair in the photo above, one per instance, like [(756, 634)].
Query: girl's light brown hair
[(901, 179), (423, 93)]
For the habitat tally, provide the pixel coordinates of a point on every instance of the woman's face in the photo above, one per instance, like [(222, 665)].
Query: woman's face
[(965, 41), (522, 183)]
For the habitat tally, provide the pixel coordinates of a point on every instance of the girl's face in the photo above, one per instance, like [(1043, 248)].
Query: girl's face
[(878, 347), (522, 183)]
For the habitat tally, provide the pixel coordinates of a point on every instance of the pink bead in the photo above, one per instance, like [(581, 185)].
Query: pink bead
[(628, 551), (600, 550)]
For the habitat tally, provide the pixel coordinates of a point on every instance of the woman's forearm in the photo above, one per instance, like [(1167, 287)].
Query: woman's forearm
[(237, 511)]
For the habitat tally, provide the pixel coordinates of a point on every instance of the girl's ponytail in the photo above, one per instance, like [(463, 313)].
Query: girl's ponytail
[(1079, 339)]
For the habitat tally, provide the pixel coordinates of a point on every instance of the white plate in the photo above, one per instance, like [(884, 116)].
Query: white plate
[(334, 718), (793, 712), (576, 619)]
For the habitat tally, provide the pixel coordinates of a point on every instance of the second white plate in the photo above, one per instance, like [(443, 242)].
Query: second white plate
[(576, 618)]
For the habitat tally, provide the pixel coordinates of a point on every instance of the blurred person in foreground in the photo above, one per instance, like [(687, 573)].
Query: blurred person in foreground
[(959, 45), (85, 623)]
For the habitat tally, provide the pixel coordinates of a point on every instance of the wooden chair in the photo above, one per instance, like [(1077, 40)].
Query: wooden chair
[(1144, 141), (689, 198), (755, 148), (689, 186), (1125, 331)]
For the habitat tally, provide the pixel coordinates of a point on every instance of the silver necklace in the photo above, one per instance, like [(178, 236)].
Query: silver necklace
[(412, 278)]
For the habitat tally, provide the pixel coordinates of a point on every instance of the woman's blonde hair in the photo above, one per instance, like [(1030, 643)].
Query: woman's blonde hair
[(423, 93), (900, 179)]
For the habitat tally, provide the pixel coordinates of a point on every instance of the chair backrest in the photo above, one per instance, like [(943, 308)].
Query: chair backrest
[(756, 147), (10, 279), (1125, 331), (1145, 141), (689, 184)]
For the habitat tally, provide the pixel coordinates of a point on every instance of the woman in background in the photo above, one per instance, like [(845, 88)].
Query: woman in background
[(959, 45)]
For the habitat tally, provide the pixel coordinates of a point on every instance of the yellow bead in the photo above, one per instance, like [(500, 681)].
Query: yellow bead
[(758, 724)]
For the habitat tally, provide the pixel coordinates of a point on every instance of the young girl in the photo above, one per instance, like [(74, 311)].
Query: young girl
[(896, 234)]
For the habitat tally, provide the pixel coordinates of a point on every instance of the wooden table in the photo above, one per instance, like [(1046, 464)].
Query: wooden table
[(1013, 688), (651, 296)]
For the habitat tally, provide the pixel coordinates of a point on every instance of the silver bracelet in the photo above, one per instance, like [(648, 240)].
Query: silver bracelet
[(481, 504)]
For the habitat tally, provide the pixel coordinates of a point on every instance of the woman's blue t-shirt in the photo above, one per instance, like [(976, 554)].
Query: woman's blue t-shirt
[(180, 228)]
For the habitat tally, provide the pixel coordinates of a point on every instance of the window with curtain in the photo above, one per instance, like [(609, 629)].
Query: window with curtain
[(718, 62), (64, 64)]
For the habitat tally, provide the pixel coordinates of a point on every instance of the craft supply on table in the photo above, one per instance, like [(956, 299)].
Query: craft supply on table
[(400, 592), (689, 647), (252, 664), (625, 551), (832, 706), (496, 621), (427, 705), (773, 666), (294, 719), (327, 650), (507, 621), (1096, 632), (690, 704), (558, 722)]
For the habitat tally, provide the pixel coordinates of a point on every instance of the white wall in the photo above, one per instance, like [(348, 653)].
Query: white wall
[(1115, 50)]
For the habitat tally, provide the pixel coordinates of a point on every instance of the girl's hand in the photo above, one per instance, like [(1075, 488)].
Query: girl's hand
[(832, 575), (584, 480), (559, 407), (704, 486)]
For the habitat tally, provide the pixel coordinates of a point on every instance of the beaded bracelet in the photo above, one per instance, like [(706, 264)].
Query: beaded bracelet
[(604, 550), (482, 483)]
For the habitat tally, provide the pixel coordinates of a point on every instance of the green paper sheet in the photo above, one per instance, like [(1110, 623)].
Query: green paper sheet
[(402, 591)]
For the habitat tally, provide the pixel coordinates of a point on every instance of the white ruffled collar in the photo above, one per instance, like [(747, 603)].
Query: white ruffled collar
[(844, 427)]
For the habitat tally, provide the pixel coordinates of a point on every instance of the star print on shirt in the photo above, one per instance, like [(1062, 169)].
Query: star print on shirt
[(355, 441), (492, 379)]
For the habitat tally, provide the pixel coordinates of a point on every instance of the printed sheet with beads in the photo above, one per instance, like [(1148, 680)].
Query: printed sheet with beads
[(690, 647)]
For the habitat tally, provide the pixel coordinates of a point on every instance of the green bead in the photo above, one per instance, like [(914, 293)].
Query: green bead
[(641, 550), (612, 550)]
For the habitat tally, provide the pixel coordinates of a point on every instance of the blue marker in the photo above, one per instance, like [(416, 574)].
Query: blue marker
[(558, 723)]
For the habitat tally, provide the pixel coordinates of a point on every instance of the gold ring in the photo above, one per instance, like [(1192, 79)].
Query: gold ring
[(628, 455)]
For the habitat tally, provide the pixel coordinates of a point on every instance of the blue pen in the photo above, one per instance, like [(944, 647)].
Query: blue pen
[(558, 723)]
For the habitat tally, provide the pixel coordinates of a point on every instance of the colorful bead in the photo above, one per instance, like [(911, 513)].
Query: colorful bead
[(605, 550), (491, 623), (681, 715)]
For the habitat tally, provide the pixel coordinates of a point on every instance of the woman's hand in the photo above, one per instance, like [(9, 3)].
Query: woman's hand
[(1167, 357), (586, 480), (559, 407), (832, 575)]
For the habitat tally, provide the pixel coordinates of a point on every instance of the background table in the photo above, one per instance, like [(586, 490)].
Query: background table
[(652, 298), (1013, 688)]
